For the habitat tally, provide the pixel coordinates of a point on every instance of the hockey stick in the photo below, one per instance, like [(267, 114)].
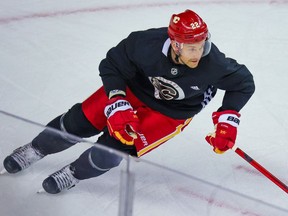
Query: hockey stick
[(260, 168)]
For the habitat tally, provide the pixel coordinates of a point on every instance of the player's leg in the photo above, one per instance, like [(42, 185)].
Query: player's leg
[(92, 163), (49, 141), (73, 122)]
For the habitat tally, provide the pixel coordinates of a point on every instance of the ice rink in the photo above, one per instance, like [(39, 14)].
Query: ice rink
[(49, 57)]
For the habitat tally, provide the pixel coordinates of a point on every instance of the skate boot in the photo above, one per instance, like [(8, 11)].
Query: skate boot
[(21, 158), (60, 180)]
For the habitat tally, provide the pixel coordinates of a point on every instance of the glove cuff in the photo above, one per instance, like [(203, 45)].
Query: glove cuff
[(116, 92), (117, 105), (230, 119), (228, 116)]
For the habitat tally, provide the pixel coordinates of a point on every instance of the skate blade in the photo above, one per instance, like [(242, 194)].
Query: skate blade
[(3, 171), (41, 191)]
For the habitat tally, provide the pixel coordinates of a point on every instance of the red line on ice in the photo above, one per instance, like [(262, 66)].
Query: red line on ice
[(216, 203), (6, 20)]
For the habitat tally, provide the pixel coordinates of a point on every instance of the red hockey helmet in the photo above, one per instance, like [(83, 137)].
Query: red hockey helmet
[(187, 27)]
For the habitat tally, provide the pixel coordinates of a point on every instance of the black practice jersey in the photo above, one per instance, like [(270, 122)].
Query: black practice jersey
[(142, 62)]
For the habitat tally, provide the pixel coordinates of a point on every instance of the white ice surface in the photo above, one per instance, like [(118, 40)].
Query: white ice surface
[(49, 56)]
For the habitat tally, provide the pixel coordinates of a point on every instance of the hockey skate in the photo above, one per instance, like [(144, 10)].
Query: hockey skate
[(60, 180), (21, 158)]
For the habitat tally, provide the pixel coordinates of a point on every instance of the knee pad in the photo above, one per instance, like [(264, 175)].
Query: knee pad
[(73, 122), (94, 162), (102, 159), (49, 141)]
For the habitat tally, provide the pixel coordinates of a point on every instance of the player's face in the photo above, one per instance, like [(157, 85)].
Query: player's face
[(192, 53)]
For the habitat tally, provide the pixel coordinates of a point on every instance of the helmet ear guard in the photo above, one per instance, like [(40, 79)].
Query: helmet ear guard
[(178, 46), (207, 45)]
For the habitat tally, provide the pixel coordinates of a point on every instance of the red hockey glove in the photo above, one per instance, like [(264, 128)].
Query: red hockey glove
[(122, 122), (224, 136)]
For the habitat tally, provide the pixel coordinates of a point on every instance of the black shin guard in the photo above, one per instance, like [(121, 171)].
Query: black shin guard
[(94, 162), (73, 122)]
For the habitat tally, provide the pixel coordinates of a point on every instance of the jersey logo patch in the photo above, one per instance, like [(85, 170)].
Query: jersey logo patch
[(166, 89)]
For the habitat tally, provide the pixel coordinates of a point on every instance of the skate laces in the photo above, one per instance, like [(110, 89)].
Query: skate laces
[(26, 155), (64, 178)]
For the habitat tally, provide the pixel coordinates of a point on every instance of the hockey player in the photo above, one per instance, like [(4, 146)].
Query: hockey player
[(154, 82)]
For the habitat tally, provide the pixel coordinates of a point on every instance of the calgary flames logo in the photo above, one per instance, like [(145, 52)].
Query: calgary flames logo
[(166, 89)]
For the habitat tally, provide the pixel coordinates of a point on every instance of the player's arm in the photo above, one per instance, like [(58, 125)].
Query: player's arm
[(115, 69), (239, 86), (118, 66)]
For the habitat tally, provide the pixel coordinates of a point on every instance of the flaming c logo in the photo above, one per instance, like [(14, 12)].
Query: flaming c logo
[(166, 89), (176, 19)]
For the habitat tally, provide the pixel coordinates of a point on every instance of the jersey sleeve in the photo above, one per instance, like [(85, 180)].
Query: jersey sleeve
[(118, 67), (238, 84)]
